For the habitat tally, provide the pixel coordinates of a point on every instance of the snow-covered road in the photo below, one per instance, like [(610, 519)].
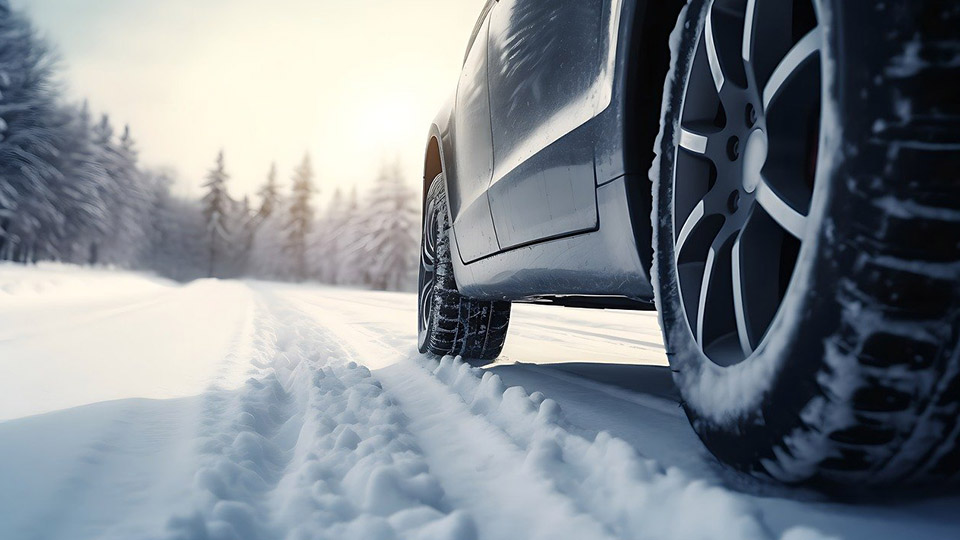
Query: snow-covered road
[(136, 408)]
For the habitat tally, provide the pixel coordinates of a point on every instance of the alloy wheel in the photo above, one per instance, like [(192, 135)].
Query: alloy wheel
[(746, 168)]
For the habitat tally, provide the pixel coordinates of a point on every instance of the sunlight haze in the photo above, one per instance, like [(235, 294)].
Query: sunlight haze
[(353, 83)]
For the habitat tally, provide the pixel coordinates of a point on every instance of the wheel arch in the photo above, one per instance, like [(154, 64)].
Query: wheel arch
[(645, 63), (433, 161)]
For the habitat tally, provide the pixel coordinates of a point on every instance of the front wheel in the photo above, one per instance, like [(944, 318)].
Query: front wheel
[(807, 262), (449, 323)]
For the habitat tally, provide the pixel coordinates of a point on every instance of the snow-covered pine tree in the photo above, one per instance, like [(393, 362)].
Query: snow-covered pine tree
[(269, 195), (107, 155), (176, 243), (267, 258), (390, 223), (241, 225), (68, 191), (323, 254), (80, 197), (128, 235), (216, 205), (29, 212), (350, 251), (300, 218)]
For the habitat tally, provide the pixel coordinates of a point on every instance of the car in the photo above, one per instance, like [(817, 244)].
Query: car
[(778, 178)]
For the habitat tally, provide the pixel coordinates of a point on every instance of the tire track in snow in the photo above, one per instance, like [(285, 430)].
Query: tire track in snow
[(492, 443), (310, 447), (480, 467)]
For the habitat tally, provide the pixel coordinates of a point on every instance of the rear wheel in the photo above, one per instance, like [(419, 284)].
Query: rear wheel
[(449, 323), (808, 238)]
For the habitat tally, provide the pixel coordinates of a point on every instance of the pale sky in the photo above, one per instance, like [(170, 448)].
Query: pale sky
[(351, 81)]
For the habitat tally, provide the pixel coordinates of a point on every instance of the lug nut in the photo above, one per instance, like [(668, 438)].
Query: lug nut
[(733, 202), (733, 148), (751, 115)]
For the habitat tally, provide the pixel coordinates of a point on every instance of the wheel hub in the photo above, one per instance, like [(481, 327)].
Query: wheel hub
[(753, 160)]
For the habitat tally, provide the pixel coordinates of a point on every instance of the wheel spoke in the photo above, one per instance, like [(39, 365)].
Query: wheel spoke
[(712, 57), (748, 23), (738, 303), (693, 141), (780, 210), (689, 225), (426, 298), (704, 289), (427, 259), (808, 46)]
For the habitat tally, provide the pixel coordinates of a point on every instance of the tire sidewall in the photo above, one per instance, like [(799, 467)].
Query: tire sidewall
[(434, 195)]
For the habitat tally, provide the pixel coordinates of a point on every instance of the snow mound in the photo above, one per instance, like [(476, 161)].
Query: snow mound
[(632, 496), (29, 284), (311, 448)]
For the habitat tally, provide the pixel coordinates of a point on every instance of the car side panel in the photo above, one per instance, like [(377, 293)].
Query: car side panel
[(614, 258), (606, 260), (551, 194), (473, 153), (544, 63)]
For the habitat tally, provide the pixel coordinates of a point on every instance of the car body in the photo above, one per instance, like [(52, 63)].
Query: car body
[(545, 172)]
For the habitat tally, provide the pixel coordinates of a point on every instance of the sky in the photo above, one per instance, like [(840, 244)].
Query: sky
[(353, 82)]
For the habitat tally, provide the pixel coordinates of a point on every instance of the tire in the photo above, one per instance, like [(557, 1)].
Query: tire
[(834, 359), (448, 322)]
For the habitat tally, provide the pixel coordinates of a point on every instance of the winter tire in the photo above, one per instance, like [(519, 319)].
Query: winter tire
[(807, 249), (448, 322)]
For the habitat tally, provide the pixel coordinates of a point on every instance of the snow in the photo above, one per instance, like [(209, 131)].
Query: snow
[(132, 407)]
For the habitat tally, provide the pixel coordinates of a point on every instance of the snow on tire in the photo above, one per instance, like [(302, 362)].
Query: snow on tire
[(852, 375), (450, 323)]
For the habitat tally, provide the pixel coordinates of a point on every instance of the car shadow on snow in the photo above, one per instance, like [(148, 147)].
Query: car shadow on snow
[(655, 381), (677, 444)]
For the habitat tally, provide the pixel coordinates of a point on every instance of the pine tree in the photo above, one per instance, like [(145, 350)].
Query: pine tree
[(216, 205), (269, 195), (29, 136), (177, 243), (242, 225), (324, 245), (350, 252), (268, 258), (128, 235), (390, 223), (72, 191), (80, 197), (107, 155), (300, 218)]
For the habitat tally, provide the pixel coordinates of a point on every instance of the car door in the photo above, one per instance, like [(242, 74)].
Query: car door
[(544, 62), (470, 207)]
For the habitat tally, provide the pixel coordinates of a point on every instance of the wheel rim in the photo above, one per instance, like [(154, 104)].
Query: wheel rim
[(428, 261), (745, 168)]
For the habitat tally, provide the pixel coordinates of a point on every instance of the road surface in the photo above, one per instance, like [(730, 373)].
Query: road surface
[(132, 407)]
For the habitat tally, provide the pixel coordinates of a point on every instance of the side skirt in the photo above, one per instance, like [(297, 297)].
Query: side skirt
[(605, 262)]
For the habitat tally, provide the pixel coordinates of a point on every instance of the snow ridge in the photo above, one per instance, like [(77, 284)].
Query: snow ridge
[(632, 496), (310, 448), (522, 471)]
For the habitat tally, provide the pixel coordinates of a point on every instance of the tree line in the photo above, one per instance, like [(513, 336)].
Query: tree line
[(72, 189)]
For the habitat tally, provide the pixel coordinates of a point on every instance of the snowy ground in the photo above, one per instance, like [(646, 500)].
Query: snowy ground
[(135, 408)]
